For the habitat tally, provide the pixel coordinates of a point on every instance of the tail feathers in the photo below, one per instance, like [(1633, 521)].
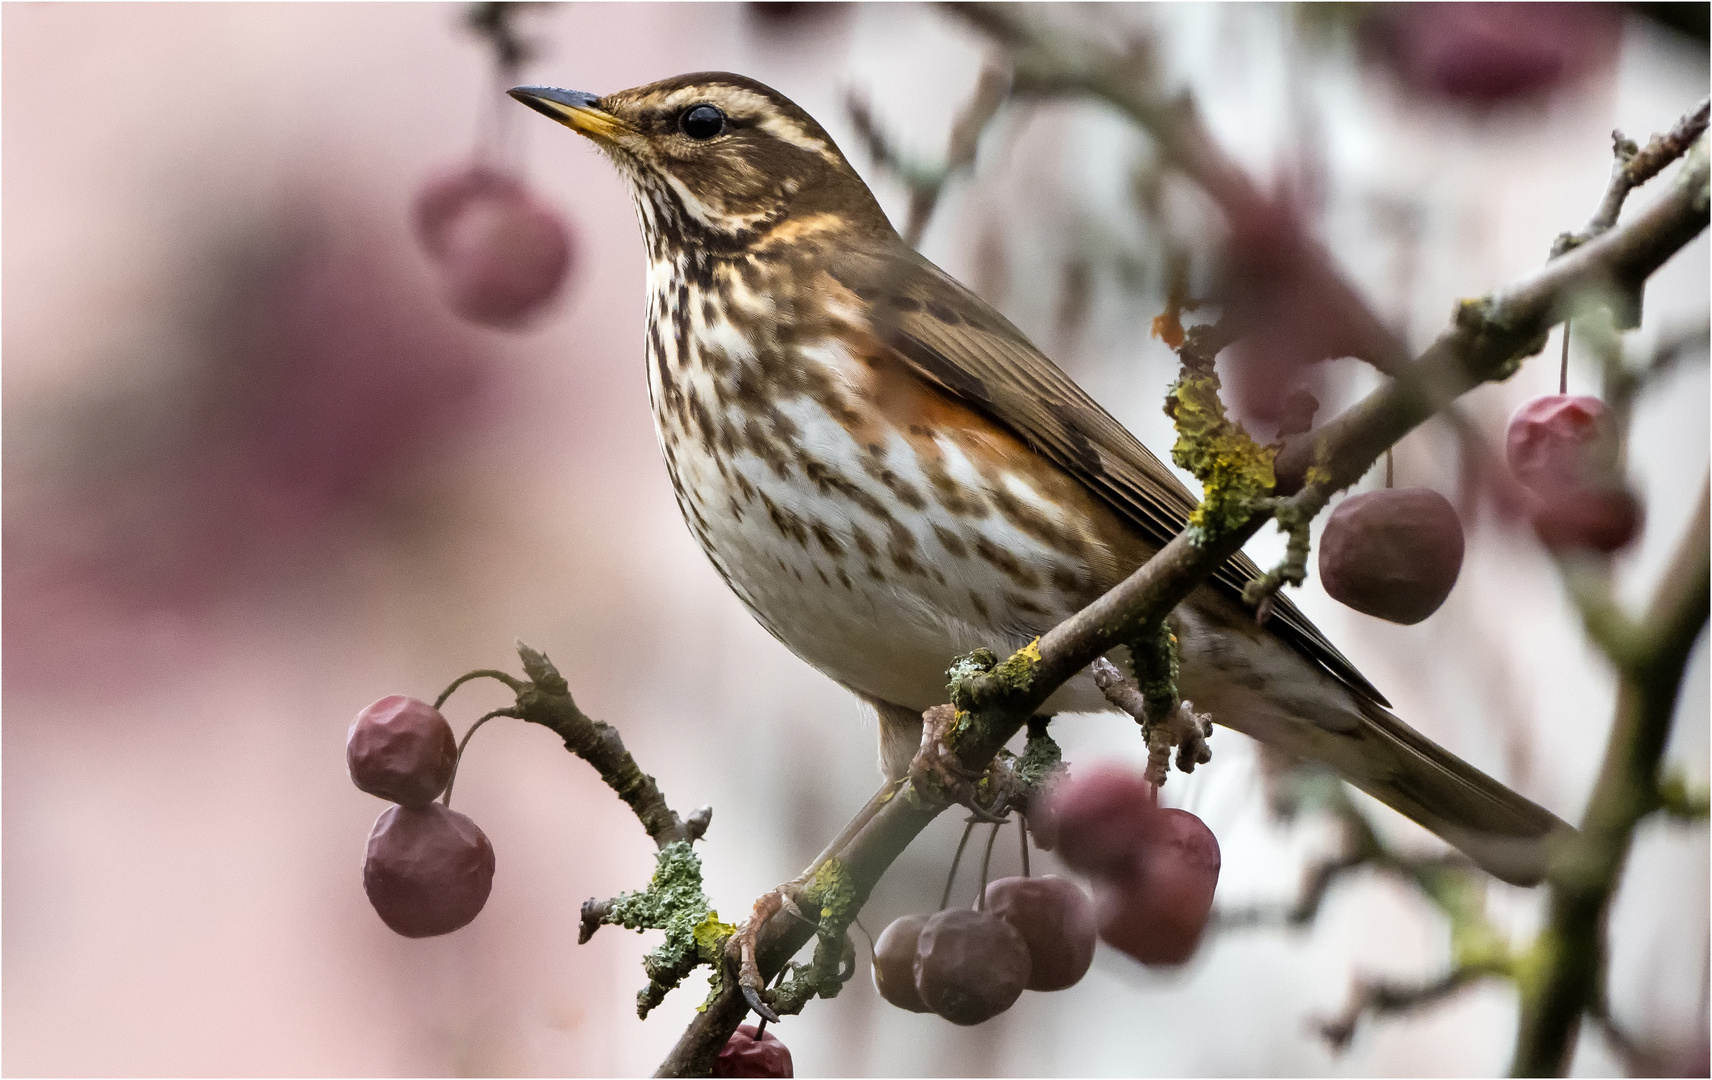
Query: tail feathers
[(1509, 836)]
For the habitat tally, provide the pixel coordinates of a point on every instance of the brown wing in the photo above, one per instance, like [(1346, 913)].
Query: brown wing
[(952, 338)]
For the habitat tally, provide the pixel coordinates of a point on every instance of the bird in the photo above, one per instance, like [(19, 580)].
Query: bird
[(889, 475)]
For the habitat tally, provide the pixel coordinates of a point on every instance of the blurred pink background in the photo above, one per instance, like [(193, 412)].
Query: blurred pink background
[(256, 476)]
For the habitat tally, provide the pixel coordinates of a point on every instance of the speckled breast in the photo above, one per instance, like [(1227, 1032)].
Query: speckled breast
[(872, 525)]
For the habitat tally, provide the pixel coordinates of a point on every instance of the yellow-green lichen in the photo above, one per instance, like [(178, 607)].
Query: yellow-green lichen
[(830, 890), (710, 935), (1017, 672), (1234, 470)]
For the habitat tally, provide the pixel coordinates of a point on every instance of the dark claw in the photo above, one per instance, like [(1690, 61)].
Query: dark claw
[(753, 997)]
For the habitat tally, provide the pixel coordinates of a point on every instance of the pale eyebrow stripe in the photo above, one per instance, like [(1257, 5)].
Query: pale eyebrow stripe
[(739, 101)]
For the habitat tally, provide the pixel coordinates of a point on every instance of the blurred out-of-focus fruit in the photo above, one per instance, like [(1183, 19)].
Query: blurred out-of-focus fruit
[(1157, 909), (1098, 816), (1056, 921), (1561, 441), (502, 252), (1603, 519), (894, 963), (745, 1055), (970, 966), (428, 870), (1393, 554), (401, 749), (1487, 54)]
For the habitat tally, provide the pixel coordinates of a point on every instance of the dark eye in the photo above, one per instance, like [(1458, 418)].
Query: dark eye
[(702, 122)]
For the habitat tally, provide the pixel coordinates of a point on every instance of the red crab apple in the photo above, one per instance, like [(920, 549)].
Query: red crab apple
[(1157, 908), (1393, 554), (894, 963), (502, 252), (970, 966), (401, 749), (745, 1055), (1561, 441), (1056, 921), (1098, 815), (428, 870)]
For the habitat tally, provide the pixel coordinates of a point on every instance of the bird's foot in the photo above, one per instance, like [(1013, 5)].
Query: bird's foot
[(937, 764), (746, 944)]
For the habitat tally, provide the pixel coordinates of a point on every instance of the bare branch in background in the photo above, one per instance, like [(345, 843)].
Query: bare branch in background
[(927, 183), (1650, 654)]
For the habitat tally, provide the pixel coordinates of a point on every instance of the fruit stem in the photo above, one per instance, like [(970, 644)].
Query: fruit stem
[(986, 861), (483, 673), (1563, 365), (1022, 837), (945, 897), (446, 799)]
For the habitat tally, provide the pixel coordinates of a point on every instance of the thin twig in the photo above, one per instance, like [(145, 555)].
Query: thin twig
[(927, 183)]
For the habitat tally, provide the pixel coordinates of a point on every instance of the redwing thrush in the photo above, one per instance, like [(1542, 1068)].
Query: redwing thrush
[(888, 474)]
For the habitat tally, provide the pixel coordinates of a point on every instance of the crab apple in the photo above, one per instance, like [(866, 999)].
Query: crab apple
[(1561, 441), (1157, 910), (1098, 815), (1056, 921), (970, 966), (745, 1055), (1393, 554), (428, 870), (1603, 519), (502, 252), (401, 749), (894, 963), (1485, 55)]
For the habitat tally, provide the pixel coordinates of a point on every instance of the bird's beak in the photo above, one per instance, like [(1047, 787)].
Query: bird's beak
[(575, 109)]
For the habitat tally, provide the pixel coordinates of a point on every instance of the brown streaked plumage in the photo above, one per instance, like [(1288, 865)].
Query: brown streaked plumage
[(889, 474)]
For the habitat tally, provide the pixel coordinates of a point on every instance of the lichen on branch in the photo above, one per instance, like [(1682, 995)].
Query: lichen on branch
[(1235, 471), (673, 902)]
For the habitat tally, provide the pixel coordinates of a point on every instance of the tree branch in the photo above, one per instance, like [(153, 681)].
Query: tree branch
[(1568, 962), (546, 700), (998, 699)]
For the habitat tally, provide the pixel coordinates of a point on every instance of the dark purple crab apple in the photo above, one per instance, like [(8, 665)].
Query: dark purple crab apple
[(894, 963), (1056, 921), (745, 1055), (970, 966), (1394, 554), (1156, 907), (428, 870), (502, 252), (1097, 816), (401, 749), (1601, 518)]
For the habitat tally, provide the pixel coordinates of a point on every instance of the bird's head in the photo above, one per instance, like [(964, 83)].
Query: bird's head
[(715, 160)]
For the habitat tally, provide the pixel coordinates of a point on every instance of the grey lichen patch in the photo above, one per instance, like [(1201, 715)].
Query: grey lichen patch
[(673, 902), (965, 673), (1495, 333), (1041, 760)]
